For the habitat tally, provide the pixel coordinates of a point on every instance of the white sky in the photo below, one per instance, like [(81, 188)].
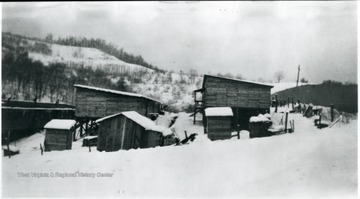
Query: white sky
[(252, 38)]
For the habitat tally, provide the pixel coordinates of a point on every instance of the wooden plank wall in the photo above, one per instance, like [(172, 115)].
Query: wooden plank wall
[(242, 116), (97, 104), (24, 122), (110, 134), (219, 128), (116, 129), (57, 139), (151, 139), (222, 92)]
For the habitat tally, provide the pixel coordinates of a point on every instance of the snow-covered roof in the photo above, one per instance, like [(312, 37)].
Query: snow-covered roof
[(218, 111), (143, 121), (60, 124), (114, 91), (107, 117), (139, 119), (261, 118), (238, 80)]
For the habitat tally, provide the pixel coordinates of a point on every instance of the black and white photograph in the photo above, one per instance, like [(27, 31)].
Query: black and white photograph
[(179, 99)]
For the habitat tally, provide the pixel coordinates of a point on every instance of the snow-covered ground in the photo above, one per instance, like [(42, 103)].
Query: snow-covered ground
[(308, 163)]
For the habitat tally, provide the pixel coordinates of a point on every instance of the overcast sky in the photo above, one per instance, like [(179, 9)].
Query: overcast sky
[(255, 39)]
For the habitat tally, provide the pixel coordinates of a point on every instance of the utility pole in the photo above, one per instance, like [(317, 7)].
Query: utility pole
[(297, 81)]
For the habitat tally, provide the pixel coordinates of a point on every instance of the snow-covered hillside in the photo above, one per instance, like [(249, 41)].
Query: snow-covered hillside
[(175, 91), (286, 85), (89, 57), (308, 163)]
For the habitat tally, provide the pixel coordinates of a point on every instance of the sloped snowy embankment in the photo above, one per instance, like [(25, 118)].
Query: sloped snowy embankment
[(307, 163)]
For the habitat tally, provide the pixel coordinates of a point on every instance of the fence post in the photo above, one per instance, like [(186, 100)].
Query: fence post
[(319, 124), (41, 149), (8, 143), (332, 112), (86, 128), (288, 102), (238, 131), (186, 136), (81, 129), (194, 107), (276, 103), (286, 121)]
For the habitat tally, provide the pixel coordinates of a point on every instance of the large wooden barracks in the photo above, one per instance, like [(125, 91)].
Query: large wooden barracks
[(94, 103)]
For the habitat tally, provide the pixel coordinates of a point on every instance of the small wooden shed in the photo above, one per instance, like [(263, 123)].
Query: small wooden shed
[(128, 130), (218, 123), (59, 134)]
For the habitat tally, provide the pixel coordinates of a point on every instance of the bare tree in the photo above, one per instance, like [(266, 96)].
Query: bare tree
[(193, 73), (239, 76), (279, 75), (303, 80), (229, 75)]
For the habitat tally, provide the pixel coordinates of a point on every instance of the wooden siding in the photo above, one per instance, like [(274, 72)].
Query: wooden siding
[(23, 122), (242, 116), (122, 133), (151, 139), (97, 104), (219, 128), (222, 92), (58, 139)]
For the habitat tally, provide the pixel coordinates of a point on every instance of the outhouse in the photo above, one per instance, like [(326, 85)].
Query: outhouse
[(59, 134), (218, 123), (128, 130)]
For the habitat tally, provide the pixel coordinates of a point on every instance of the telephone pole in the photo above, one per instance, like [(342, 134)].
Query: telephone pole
[(297, 81)]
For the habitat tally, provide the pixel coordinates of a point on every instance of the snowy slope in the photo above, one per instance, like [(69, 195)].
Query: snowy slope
[(285, 85), (89, 57), (174, 93), (307, 163)]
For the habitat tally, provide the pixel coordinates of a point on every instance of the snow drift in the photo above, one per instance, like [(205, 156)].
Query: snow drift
[(307, 163)]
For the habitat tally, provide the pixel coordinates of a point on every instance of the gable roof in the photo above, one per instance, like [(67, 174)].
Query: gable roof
[(115, 92), (139, 119), (237, 80)]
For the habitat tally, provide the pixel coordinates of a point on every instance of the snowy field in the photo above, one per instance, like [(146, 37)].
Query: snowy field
[(308, 163)]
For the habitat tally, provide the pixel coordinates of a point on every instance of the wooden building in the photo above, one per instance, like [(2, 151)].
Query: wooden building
[(128, 130), (59, 134), (245, 98), (93, 103), (23, 118), (218, 122)]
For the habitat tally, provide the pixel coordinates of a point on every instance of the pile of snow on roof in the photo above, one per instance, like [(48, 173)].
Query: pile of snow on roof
[(261, 118), (60, 124), (218, 111), (139, 119)]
